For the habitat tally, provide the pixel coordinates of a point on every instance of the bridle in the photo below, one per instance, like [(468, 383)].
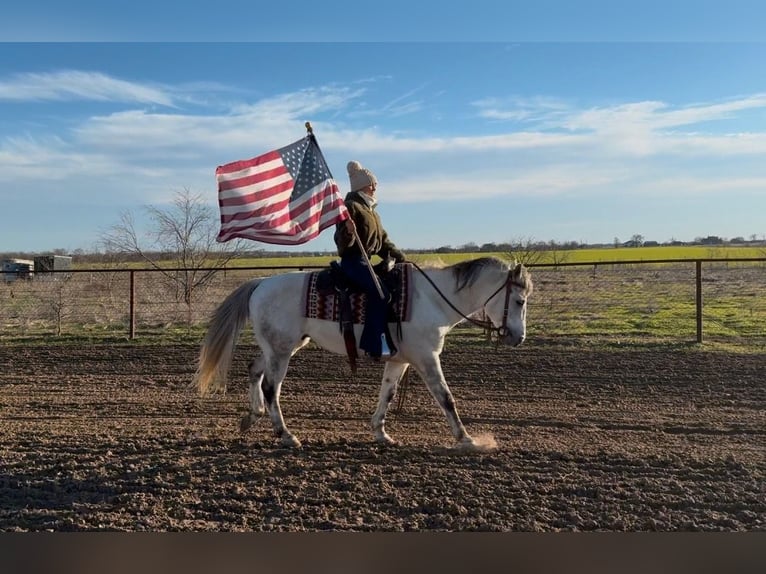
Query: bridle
[(501, 331)]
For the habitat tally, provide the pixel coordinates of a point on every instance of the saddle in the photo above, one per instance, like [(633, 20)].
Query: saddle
[(332, 295)]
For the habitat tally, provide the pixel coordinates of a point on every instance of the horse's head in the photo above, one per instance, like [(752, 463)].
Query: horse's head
[(507, 308)]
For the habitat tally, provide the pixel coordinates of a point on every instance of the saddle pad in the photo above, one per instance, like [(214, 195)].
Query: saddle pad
[(327, 306)]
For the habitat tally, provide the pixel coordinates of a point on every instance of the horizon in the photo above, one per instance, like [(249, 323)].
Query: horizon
[(471, 142), (709, 241)]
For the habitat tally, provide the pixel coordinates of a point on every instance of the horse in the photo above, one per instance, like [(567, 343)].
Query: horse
[(441, 297)]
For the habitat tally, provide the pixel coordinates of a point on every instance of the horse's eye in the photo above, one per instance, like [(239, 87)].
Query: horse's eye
[(521, 303)]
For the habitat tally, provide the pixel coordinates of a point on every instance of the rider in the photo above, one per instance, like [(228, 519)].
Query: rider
[(361, 202)]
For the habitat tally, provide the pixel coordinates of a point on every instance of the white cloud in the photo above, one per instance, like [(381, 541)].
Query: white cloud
[(479, 184), (300, 104), (401, 105), (635, 129), (540, 110), (80, 85), (694, 186), (589, 151)]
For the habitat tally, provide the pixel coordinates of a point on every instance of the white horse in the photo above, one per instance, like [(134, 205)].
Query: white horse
[(441, 298)]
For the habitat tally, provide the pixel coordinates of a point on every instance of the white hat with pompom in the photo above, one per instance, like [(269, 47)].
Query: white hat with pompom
[(359, 176)]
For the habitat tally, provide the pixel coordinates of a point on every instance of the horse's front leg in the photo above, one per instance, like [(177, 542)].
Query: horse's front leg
[(431, 372), (275, 368), (392, 374)]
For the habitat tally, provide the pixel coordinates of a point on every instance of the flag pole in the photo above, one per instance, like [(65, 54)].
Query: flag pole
[(369, 264), (374, 276)]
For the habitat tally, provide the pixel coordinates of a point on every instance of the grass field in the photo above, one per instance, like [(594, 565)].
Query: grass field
[(562, 256), (594, 255), (661, 252)]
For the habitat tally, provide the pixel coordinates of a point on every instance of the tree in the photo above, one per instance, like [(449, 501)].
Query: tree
[(637, 240), (557, 253), (180, 243), (525, 250)]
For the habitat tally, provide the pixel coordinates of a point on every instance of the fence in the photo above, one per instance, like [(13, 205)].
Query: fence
[(683, 300), (666, 300)]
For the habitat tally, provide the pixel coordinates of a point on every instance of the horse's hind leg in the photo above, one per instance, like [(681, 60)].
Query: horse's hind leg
[(392, 374), (255, 371), (255, 392)]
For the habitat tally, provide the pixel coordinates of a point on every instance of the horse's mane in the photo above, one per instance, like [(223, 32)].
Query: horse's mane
[(526, 280), (467, 272)]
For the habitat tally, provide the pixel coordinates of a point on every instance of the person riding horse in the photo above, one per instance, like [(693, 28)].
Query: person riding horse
[(361, 202)]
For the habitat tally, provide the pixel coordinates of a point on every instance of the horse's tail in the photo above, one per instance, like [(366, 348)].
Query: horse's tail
[(218, 347)]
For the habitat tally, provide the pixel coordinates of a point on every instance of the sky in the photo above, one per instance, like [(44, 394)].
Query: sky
[(488, 122)]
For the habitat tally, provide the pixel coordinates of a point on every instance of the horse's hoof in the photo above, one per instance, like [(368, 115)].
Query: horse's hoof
[(466, 444), (385, 440), (290, 441), (483, 444), (246, 422)]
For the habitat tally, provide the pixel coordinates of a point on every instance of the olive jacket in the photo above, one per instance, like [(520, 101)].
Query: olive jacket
[(368, 228)]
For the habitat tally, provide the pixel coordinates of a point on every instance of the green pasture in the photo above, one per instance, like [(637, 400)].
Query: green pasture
[(655, 253), (568, 256), (592, 255)]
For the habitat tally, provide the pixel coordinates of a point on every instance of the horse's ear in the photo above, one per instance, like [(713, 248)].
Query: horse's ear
[(517, 270)]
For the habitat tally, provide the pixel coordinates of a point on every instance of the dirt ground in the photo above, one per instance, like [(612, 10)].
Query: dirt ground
[(108, 437)]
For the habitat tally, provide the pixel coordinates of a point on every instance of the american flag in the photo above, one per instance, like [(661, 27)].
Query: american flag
[(286, 196)]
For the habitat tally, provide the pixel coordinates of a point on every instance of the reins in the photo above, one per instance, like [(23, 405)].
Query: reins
[(487, 325)]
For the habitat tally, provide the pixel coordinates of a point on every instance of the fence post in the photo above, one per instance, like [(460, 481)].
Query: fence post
[(132, 304), (699, 300)]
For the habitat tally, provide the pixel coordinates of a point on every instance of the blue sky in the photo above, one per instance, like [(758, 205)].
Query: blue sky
[(579, 130)]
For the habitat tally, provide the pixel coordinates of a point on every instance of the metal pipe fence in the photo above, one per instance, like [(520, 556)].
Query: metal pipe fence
[(721, 300)]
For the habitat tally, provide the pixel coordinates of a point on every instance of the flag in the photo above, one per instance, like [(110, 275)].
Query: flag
[(286, 196)]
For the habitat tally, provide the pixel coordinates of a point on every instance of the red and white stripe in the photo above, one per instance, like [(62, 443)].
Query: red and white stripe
[(254, 200)]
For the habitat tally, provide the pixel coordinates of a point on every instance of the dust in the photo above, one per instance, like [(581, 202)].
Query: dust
[(485, 442), (481, 443)]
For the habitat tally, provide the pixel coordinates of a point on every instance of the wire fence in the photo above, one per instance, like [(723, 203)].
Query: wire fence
[(721, 300)]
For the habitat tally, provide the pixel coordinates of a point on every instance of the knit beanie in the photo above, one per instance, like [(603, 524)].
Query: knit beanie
[(360, 176)]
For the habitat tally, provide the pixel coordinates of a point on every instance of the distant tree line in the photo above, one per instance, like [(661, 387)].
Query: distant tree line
[(81, 256)]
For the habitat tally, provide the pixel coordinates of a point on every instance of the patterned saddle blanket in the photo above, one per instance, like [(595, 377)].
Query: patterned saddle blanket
[(322, 301)]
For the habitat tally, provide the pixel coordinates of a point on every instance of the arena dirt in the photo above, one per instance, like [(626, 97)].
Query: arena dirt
[(108, 437)]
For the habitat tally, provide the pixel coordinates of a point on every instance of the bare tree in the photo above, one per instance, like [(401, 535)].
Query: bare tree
[(525, 250), (557, 253), (182, 234)]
